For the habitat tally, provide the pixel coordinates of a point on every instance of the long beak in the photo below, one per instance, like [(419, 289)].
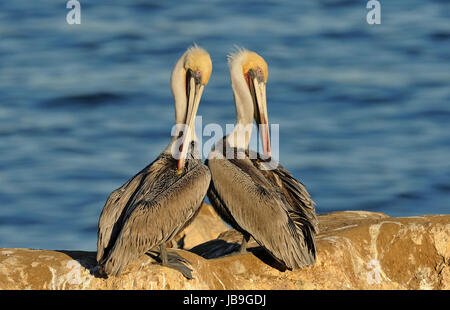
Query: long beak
[(194, 94), (258, 92)]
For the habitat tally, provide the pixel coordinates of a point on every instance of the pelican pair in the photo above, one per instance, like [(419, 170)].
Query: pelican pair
[(255, 197)]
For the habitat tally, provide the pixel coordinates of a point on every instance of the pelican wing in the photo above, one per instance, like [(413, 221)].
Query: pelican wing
[(293, 190), (152, 219), (260, 209), (301, 205), (109, 224), (296, 194)]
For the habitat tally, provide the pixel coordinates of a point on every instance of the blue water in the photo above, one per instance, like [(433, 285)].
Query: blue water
[(364, 110)]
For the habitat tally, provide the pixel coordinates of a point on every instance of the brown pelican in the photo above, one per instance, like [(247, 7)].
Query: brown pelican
[(252, 192), (163, 198)]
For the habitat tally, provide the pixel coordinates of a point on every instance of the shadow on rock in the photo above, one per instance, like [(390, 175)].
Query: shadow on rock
[(87, 260), (221, 248)]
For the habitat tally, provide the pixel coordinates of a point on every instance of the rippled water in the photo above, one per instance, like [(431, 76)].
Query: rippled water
[(364, 110)]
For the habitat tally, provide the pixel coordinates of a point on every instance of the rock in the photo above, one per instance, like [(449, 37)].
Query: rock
[(356, 250), (206, 226)]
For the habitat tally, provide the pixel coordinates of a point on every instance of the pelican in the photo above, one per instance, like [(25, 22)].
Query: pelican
[(162, 199), (250, 191)]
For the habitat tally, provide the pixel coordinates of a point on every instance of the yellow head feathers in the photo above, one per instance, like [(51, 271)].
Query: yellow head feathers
[(254, 61), (248, 60), (197, 59)]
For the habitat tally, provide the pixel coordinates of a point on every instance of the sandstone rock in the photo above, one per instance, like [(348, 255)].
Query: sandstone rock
[(356, 250)]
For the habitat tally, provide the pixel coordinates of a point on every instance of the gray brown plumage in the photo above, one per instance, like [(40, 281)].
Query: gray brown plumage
[(163, 198), (264, 202), (149, 210)]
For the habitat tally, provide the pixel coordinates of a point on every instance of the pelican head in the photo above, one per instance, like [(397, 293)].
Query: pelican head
[(189, 77), (249, 73)]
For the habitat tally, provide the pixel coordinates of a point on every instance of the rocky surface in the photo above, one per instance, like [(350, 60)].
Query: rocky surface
[(356, 250)]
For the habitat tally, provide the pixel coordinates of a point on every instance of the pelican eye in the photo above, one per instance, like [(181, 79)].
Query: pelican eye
[(197, 74)]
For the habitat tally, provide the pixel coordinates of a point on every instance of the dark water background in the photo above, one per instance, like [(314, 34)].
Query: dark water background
[(364, 110)]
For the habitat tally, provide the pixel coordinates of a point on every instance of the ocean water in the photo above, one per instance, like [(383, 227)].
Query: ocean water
[(363, 110)]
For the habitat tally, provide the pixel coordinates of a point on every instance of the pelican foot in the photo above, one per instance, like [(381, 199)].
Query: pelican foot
[(175, 261), (172, 260)]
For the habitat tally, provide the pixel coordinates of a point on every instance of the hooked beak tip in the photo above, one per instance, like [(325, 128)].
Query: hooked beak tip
[(180, 166)]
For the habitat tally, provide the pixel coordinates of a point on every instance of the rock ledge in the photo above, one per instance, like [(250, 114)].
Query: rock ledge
[(356, 250)]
